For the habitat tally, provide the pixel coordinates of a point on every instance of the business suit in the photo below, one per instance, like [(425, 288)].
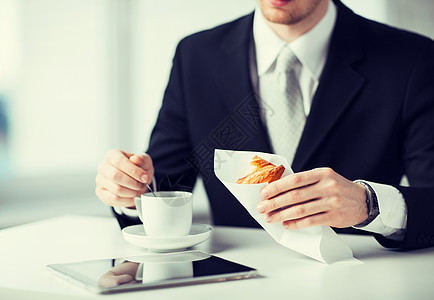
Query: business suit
[(372, 116)]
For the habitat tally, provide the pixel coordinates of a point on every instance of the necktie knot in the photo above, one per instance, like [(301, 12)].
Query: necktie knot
[(286, 60)]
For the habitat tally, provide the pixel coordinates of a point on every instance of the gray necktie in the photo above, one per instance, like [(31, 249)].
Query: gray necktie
[(286, 123)]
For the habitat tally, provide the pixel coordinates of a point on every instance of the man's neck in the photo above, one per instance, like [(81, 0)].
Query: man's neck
[(290, 33)]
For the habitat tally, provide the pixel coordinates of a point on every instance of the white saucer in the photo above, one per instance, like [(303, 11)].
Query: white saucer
[(136, 235)]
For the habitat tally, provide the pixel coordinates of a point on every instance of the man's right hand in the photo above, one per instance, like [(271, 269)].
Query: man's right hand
[(123, 176)]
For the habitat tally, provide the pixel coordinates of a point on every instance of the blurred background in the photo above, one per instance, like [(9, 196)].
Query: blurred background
[(79, 77)]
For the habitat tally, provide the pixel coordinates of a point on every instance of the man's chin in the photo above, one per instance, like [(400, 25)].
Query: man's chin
[(279, 17)]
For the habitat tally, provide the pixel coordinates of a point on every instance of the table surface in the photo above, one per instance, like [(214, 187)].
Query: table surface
[(384, 274)]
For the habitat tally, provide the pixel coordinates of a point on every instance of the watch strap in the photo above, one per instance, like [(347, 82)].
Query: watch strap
[(371, 204)]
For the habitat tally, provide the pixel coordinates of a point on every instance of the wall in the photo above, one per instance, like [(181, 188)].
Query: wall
[(83, 76)]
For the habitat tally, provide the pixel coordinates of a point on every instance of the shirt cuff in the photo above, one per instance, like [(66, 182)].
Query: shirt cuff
[(392, 220), (130, 212)]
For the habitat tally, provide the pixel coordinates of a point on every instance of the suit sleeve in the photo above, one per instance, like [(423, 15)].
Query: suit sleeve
[(169, 146), (418, 154)]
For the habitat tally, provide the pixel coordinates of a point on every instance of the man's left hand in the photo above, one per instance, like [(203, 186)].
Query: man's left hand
[(311, 198)]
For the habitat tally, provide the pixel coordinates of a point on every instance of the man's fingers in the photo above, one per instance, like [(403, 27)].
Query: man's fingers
[(116, 176), (296, 212), (294, 181), (315, 220), (123, 163), (142, 160), (289, 198), (113, 200), (123, 176), (289, 182), (118, 189)]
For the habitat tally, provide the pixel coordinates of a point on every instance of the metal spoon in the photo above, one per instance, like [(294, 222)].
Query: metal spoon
[(149, 188)]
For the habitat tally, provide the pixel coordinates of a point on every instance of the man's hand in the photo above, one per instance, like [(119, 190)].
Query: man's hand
[(315, 197), (123, 176)]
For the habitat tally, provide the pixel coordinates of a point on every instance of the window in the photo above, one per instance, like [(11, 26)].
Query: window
[(78, 77)]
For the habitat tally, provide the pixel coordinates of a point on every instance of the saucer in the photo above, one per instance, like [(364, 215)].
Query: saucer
[(136, 235)]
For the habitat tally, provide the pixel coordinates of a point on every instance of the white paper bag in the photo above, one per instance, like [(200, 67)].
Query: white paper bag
[(318, 242)]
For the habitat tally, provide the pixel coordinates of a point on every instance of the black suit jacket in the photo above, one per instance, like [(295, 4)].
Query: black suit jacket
[(372, 116)]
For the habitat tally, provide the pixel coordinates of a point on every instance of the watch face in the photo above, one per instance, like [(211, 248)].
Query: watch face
[(371, 203)]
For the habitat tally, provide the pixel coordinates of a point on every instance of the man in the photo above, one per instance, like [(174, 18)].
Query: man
[(365, 108)]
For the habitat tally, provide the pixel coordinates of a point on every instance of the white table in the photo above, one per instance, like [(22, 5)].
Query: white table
[(26, 250)]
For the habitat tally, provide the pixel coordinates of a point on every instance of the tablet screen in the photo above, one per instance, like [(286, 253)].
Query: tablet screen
[(151, 271)]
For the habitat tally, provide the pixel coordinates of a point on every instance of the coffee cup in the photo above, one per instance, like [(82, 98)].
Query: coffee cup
[(165, 214)]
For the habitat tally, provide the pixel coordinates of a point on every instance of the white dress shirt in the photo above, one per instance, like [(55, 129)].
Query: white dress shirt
[(311, 50)]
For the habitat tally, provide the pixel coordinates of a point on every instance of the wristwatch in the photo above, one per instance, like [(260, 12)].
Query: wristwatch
[(371, 204)]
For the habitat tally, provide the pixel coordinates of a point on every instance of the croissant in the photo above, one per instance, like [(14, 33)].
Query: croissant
[(264, 172)]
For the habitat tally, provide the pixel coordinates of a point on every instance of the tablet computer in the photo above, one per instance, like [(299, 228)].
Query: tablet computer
[(151, 271)]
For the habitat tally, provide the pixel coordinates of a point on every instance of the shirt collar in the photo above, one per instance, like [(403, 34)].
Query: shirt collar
[(310, 48)]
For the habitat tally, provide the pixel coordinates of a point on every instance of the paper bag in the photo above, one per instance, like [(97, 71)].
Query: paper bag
[(318, 242)]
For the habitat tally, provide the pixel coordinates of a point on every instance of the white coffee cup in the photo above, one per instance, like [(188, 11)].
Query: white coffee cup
[(168, 214)]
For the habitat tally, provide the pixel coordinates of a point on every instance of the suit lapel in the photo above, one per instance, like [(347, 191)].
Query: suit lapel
[(232, 76), (232, 72), (338, 86)]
